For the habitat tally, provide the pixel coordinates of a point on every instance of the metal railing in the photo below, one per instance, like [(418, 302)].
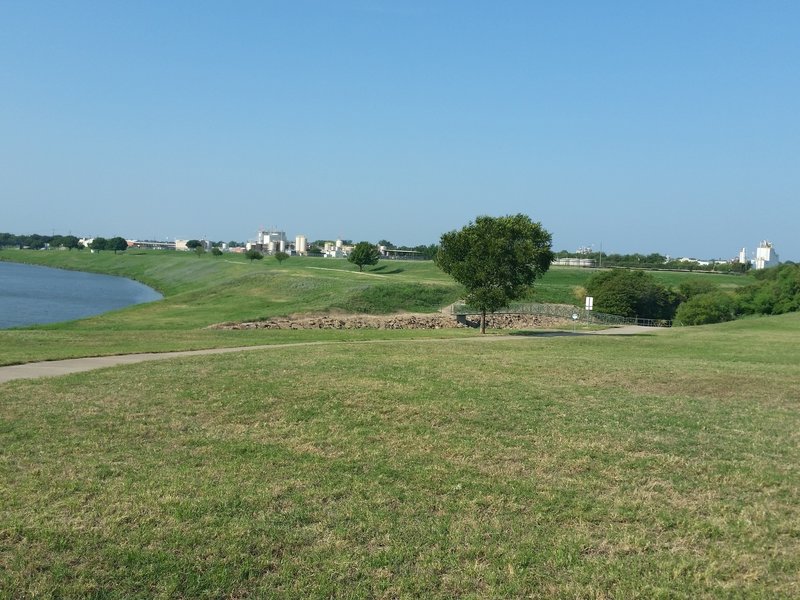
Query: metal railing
[(564, 311)]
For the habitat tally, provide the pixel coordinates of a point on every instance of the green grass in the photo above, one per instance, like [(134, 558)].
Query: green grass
[(652, 466), (201, 291)]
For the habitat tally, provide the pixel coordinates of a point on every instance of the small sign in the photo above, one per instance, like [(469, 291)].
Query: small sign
[(589, 302), (574, 316)]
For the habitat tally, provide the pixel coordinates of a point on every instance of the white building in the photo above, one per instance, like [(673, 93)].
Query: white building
[(301, 245), (765, 256)]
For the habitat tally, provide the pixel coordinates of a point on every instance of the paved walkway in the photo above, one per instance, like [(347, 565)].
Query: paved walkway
[(53, 368)]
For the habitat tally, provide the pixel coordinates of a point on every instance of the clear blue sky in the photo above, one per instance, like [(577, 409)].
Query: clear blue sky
[(669, 127)]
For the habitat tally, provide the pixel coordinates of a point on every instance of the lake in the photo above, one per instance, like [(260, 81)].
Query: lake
[(31, 295)]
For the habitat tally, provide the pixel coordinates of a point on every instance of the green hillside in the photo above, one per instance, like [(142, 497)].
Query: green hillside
[(203, 290)]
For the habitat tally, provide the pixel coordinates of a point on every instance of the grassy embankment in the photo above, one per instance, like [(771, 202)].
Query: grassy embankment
[(200, 291), (579, 467)]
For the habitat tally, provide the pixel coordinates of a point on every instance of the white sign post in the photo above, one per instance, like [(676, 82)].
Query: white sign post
[(589, 306)]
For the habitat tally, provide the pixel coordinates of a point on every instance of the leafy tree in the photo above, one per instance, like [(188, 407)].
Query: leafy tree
[(631, 294), (281, 256), (192, 244), (117, 244), (253, 254), (199, 250), (775, 291), (98, 244), (694, 287), (70, 242), (364, 253), (497, 259), (216, 251), (711, 307), (386, 244)]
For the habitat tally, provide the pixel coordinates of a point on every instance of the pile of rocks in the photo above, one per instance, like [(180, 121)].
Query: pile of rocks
[(399, 321)]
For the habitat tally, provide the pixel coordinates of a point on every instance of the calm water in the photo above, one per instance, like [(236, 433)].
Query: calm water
[(32, 295)]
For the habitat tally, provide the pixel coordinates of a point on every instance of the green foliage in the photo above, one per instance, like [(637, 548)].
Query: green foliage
[(775, 291), (253, 254), (364, 253), (98, 244), (281, 256), (65, 241), (216, 251), (703, 309), (694, 287), (631, 293), (117, 244), (192, 244), (496, 259), (199, 250)]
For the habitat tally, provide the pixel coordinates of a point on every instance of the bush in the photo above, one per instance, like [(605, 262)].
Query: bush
[(695, 287), (702, 309), (631, 294), (776, 291)]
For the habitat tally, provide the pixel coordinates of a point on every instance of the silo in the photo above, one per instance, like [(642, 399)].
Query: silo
[(301, 244), (282, 246)]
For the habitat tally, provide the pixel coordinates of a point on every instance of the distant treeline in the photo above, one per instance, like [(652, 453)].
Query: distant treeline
[(654, 261), (426, 252), (37, 242)]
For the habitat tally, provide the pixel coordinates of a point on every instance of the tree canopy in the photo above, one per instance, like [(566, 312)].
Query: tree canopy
[(497, 259), (253, 254), (117, 244), (631, 294), (99, 243), (364, 253)]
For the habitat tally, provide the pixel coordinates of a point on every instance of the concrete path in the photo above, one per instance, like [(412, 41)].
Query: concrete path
[(53, 368)]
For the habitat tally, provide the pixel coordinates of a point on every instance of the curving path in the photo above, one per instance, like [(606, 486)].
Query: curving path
[(54, 368)]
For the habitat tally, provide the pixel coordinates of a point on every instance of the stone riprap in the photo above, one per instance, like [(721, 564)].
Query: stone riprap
[(398, 321)]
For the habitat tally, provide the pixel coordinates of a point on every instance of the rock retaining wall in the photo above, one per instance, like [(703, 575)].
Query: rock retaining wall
[(402, 321)]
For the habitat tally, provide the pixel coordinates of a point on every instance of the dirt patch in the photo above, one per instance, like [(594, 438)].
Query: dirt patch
[(400, 321)]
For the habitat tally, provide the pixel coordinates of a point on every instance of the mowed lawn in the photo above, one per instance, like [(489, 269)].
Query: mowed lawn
[(653, 466), (201, 291)]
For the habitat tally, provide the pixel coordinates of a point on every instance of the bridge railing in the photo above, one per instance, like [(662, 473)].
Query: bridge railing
[(564, 311)]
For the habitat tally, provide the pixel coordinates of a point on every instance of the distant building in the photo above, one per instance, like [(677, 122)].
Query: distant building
[(765, 256), (272, 241), (574, 262)]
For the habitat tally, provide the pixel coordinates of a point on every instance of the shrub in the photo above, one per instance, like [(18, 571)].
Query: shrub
[(631, 294), (702, 309)]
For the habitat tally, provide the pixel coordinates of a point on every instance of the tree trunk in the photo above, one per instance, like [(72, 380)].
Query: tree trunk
[(483, 321)]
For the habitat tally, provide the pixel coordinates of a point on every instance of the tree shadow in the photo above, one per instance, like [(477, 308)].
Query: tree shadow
[(383, 271)]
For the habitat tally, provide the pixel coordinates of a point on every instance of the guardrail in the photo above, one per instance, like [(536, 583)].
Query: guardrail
[(566, 312)]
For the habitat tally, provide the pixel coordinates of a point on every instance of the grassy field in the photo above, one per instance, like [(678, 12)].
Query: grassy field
[(201, 291), (651, 466)]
